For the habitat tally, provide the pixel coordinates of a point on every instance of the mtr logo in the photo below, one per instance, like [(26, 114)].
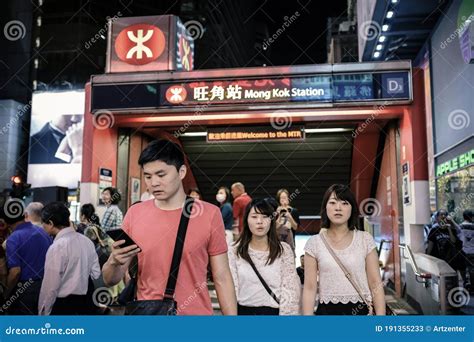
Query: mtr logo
[(140, 44), (176, 94)]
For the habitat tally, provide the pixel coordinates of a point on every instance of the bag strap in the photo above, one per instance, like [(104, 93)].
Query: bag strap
[(346, 272), (265, 285), (177, 253), (178, 248), (101, 242)]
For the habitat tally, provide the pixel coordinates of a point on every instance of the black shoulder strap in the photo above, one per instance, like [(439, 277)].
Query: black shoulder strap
[(178, 248), (269, 290)]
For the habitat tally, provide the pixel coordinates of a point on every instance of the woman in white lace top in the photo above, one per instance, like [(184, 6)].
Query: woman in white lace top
[(274, 261), (356, 251)]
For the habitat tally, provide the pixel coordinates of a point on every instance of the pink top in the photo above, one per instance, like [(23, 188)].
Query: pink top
[(155, 230), (333, 285)]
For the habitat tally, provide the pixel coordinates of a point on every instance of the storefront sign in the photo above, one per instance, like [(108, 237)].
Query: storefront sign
[(459, 162), (252, 134), (152, 43)]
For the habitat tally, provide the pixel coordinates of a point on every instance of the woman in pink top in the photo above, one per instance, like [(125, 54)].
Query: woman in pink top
[(274, 261), (355, 250)]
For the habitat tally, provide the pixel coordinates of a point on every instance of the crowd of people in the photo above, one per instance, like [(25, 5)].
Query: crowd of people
[(453, 242), (49, 265)]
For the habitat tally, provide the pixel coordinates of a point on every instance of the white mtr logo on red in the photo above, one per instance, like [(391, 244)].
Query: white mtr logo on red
[(140, 44)]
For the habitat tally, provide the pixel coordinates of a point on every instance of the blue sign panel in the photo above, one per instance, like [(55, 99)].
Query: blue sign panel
[(352, 87), (395, 85)]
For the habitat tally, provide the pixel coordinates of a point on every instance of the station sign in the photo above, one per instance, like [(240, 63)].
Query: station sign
[(325, 88), (254, 134)]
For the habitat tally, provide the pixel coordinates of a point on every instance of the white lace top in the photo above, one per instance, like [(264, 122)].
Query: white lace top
[(280, 276), (333, 285)]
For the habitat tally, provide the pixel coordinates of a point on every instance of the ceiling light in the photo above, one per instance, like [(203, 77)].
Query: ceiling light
[(194, 134), (385, 28), (382, 39), (376, 54), (389, 14), (379, 47)]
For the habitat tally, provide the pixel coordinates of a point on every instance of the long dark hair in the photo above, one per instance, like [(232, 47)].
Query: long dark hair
[(342, 193), (88, 211), (265, 207)]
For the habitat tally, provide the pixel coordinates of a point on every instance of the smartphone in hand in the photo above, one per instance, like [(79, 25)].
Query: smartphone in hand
[(119, 234)]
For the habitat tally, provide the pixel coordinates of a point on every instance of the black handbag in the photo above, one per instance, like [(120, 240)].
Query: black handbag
[(167, 306)]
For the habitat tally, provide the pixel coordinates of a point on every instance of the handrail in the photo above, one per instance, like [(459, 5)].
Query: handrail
[(424, 276)]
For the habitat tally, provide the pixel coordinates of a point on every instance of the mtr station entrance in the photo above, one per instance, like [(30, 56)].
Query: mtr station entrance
[(302, 128)]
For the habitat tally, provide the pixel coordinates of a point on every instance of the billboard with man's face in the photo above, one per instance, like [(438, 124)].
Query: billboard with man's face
[(55, 151)]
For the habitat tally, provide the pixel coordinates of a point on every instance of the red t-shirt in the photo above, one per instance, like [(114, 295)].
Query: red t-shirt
[(240, 203), (155, 230)]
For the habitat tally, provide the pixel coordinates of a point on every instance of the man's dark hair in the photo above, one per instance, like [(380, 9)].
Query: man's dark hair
[(468, 215), (12, 211), (162, 150), (57, 213), (115, 196)]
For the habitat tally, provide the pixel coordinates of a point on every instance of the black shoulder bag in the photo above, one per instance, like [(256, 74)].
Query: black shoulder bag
[(167, 306)]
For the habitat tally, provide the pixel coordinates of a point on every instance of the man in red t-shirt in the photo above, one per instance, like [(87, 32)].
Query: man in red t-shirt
[(153, 225), (241, 200)]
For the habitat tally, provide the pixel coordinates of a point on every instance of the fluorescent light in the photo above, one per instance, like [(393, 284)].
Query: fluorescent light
[(194, 134), (376, 54), (389, 14), (379, 47), (385, 28), (326, 130), (382, 39)]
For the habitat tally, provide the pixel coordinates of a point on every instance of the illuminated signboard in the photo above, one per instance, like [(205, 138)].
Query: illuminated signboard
[(331, 88), (459, 162), (150, 43), (252, 134)]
